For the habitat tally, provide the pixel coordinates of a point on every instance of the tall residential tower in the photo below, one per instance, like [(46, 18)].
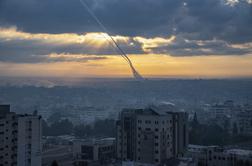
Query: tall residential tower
[(20, 138), (151, 136)]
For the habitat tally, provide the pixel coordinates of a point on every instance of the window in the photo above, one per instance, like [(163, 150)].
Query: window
[(156, 137), (156, 160), (156, 144), (156, 129), (147, 122), (156, 151)]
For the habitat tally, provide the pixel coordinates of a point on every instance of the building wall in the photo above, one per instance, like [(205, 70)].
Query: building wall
[(154, 138), (8, 137), (20, 138), (29, 141), (217, 156), (146, 136), (92, 152)]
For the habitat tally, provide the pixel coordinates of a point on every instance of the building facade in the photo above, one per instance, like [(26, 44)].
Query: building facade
[(151, 136), (241, 121), (20, 138), (93, 152), (219, 156)]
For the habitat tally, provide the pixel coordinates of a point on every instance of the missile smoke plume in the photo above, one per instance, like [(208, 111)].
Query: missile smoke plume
[(135, 73)]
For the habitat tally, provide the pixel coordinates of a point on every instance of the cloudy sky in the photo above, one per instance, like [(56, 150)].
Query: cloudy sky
[(164, 38)]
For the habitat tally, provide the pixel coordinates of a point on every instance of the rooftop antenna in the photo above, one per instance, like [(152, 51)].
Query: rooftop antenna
[(135, 73)]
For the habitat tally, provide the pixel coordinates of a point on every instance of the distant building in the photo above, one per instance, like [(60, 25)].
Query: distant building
[(20, 138), (218, 156), (217, 113), (94, 152), (241, 121), (234, 118), (151, 136), (172, 162), (222, 109)]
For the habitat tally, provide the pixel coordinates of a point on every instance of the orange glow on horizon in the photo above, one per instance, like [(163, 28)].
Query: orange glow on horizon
[(150, 65)]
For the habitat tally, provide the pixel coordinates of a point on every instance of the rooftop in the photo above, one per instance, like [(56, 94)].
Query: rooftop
[(104, 141), (241, 152)]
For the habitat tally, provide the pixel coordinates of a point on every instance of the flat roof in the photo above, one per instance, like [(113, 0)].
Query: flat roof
[(240, 152)]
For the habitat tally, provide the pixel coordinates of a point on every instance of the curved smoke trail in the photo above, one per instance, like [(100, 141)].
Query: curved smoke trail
[(114, 44)]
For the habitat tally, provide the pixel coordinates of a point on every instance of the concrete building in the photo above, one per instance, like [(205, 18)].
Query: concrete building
[(20, 138), (151, 136), (220, 110), (241, 121), (218, 156), (235, 118), (172, 162), (93, 152)]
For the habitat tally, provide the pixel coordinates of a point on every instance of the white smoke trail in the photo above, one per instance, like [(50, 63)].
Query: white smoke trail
[(114, 44)]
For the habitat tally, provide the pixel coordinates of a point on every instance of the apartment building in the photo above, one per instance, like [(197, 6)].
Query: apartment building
[(151, 136), (20, 138)]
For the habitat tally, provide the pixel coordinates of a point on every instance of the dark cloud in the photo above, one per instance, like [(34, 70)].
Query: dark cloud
[(207, 18), (182, 47), (36, 48), (214, 19), (194, 20)]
